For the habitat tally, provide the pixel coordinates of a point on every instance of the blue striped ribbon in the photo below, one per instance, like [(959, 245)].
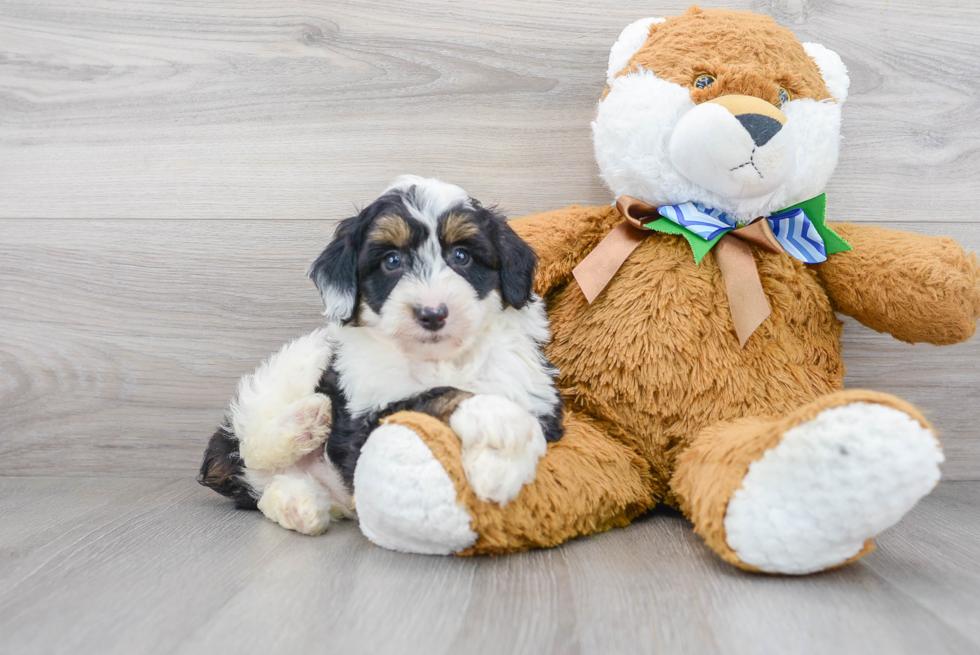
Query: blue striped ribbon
[(793, 229)]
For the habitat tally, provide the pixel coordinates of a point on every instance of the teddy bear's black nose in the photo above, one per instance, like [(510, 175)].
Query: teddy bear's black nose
[(760, 128), (432, 318)]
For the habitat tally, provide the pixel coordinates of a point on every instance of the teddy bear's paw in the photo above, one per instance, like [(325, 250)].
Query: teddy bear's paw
[(297, 503), (405, 499), (502, 444), (831, 483), (300, 428)]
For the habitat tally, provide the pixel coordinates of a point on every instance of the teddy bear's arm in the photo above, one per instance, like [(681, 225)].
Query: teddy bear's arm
[(562, 238), (916, 288)]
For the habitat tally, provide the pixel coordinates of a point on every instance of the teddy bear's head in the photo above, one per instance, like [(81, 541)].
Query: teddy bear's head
[(720, 107)]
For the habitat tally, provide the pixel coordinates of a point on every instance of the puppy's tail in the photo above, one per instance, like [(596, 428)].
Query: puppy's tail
[(223, 469)]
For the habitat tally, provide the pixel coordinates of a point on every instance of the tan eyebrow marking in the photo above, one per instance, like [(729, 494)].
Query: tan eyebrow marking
[(391, 230), (457, 227)]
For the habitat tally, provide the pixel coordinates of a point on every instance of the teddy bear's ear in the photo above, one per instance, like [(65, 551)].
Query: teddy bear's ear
[(630, 40), (832, 69)]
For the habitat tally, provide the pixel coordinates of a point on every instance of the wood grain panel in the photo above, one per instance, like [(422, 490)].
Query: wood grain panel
[(299, 109), (121, 341), (164, 566)]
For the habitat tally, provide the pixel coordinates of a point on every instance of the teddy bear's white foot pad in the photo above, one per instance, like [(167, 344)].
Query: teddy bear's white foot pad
[(405, 499), (830, 484)]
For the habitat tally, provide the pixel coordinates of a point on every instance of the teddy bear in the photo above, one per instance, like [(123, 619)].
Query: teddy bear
[(695, 326), (681, 387)]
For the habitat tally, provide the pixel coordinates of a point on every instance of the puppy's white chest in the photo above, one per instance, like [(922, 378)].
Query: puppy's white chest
[(374, 375)]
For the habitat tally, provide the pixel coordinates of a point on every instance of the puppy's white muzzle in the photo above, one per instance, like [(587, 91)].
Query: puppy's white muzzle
[(734, 146)]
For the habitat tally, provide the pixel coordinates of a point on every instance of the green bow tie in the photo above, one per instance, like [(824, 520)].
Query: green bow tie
[(707, 226)]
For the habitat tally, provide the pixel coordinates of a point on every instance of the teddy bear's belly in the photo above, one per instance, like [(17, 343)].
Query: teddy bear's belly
[(657, 357)]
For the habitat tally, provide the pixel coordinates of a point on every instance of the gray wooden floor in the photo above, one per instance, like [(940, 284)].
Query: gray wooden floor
[(169, 169), (163, 566)]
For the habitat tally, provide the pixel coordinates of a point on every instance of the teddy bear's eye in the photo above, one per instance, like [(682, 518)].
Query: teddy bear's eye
[(783, 96), (704, 81)]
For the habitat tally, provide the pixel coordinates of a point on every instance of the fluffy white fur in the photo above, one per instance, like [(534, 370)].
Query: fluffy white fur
[(296, 502), (502, 357), (276, 415), (831, 483), (832, 69), (433, 196), (500, 360), (635, 124), (630, 40), (711, 148), (502, 444), (405, 499), (484, 348), (304, 496)]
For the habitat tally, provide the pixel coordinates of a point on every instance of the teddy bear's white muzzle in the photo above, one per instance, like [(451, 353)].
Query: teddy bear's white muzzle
[(744, 153)]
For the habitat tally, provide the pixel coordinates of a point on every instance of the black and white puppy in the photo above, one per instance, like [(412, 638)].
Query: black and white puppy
[(430, 303)]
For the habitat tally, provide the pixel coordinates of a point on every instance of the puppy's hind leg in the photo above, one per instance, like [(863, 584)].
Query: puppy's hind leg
[(304, 497), (277, 416)]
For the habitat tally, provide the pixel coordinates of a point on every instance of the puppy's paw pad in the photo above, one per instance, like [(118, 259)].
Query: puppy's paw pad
[(299, 429), (296, 504), (307, 421), (502, 444)]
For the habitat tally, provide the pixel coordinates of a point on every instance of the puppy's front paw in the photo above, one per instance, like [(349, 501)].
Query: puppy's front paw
[(502, 444), (299, 429)]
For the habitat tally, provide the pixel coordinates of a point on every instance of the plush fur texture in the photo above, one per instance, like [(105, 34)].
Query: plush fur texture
[(586, 483), (662, 403), (709, 473), (845, 475), (658, 137), (406, 499)]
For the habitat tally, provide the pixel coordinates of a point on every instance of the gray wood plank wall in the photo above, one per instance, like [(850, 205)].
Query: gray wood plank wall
[(168, 169)]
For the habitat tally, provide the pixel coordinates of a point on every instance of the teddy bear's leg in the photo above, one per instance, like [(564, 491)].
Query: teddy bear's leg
[(412, 494), (808, 491), (277, 416)]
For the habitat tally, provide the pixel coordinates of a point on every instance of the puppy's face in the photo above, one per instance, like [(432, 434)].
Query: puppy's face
[(424, 266)]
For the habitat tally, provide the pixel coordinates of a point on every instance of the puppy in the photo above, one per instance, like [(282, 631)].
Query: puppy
[(430, 307)]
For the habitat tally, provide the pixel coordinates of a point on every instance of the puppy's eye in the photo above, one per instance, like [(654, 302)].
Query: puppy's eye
[(461, 257), (783, 96), (704, 81), (392, 261)]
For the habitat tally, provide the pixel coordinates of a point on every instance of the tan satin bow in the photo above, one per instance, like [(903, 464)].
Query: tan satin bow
[(746, 299)]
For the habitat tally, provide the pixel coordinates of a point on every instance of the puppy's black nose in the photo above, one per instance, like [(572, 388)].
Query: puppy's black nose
[(760, 128), (432, 318)]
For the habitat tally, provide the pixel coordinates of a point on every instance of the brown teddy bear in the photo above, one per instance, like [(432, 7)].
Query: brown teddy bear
[(706, 371)]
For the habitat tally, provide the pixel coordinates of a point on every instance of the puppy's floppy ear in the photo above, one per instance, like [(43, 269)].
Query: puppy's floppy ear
[(335, 271), (517, 263)]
